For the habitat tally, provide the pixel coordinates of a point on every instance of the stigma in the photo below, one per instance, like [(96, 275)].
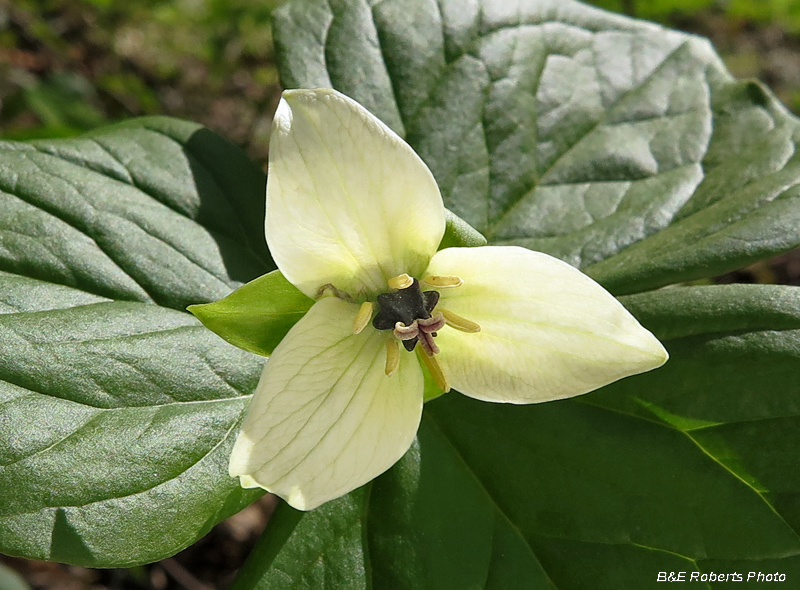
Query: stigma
[(414, 317), (412, 314), (408, 313), (422, 330)]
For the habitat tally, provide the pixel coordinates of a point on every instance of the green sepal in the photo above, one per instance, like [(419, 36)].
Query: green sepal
[(257, 315), (459, 234), (431, 390)]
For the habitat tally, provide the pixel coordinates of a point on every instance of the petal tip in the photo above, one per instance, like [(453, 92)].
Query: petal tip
[(653, 348), (248, 482), (293, 93), (297, 500), (348, 201), (662, 356), (299, 97), (294, 497)]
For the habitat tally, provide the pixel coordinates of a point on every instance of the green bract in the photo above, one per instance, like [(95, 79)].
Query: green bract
[(256, 316)]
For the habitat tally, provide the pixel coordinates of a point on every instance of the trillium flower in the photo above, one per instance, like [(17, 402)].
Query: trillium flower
[(354, 219)]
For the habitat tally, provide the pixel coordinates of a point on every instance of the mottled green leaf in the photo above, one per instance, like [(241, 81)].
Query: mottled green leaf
[(155, 210), (118, 413), (614, 144)]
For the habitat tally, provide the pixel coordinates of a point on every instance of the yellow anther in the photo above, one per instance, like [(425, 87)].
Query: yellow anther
[(363, 317), (402, 281), (392, 357), (456, 321), (436, 370), (443, 282)]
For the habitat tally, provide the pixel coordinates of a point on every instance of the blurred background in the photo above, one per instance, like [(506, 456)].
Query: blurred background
[(67, 66)]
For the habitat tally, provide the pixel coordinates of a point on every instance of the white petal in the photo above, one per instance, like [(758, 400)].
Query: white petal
[(547, 330), (325, 419), (349, 203)]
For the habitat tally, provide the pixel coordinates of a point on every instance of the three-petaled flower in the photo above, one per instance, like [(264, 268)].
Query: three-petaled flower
[(354, 219)]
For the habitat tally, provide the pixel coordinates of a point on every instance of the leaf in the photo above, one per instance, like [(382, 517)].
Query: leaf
[(614, 144), (744, 210), (689, 468), (119, 413), (154, 210), (256, 316), (326, 543), (118, 419)]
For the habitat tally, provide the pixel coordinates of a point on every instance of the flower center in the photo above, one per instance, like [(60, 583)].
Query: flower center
[(409, 312)]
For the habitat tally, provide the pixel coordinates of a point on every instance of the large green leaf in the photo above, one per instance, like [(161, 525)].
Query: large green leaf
[(614, 144), (691, 468), (155, 210), (617, 145), (117, 413)]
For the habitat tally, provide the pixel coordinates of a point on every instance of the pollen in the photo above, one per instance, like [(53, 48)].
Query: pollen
[(363, 317), (436, 371), (402, 281), (443, 282), (392, 357), (456, 321)]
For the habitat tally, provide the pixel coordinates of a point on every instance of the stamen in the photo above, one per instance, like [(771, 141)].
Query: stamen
[(402, 281), (329, 289), (436, 371), (392, 357), (363, 317), (443, 282), (404, 332), (456, 321)]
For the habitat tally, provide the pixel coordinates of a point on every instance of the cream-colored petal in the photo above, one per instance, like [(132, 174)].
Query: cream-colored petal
[(547, 331), (325, 418), (349, 203)]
